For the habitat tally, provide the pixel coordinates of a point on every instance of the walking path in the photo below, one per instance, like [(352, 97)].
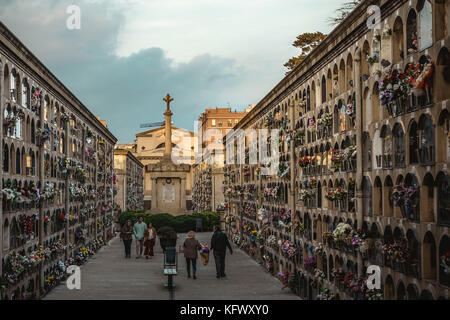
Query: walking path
[(108, 275)]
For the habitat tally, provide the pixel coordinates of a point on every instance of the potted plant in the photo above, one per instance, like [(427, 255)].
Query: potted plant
[(167, 237)]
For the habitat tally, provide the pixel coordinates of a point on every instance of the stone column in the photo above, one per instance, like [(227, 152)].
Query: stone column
[(154, 207), (168, 134), (183, 193), (359, 164)]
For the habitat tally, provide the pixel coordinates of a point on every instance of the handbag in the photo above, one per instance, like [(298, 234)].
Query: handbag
[(181, 248)]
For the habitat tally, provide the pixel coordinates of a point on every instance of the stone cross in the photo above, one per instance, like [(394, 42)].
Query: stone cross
[(168, 99)]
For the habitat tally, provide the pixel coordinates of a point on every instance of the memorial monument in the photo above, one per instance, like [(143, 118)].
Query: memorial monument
[(168, 180)]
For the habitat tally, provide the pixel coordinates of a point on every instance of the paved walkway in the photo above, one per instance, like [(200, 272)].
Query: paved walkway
[(108, 275)]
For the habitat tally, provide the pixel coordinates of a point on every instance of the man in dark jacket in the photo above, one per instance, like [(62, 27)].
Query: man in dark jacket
[(219, 244)]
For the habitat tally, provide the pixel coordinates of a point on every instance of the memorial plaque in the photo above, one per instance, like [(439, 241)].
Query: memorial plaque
[(168, 195)]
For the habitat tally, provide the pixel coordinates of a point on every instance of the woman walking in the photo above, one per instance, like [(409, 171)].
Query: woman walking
[(191, 246), (126, 235), (149, 240)]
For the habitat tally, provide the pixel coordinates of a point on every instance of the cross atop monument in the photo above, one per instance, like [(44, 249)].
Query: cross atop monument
[(168, 99)]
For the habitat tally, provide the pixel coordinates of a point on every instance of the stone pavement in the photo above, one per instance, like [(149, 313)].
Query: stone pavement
[(108, 275)]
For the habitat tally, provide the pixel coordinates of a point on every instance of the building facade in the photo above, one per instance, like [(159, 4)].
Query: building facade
[(363, 162), (130, 181), (208, 173), (57, 175), (218, 121)]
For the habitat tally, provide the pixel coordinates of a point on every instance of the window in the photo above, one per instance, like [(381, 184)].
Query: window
[(413, 144), (443, 191), (25, 94), (230, 123), (426, 152), (367, 197), (5, 158), (213, 122), (236, 121), (220, 124), (12, 85), (324, 89), (425, 25), (399, 146), (411, 32), (18, 161)]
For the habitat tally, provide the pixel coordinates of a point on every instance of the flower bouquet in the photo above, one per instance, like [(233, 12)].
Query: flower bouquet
[(337, 158), (325, 294), (305, 195), (303, 162), (445, 262), (424, 77), (326, 120), (403, 197), (396, 252), (204, 254), (288, 248)]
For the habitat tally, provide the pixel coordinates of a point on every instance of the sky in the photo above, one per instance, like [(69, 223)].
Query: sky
[(128, 54)]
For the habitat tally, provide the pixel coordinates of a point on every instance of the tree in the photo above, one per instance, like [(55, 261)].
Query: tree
[(343, 11), (306, 42)]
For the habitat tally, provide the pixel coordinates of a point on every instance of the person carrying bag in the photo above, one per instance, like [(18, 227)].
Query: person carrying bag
[(190, 247)]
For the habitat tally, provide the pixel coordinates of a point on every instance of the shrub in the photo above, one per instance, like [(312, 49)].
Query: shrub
[(180, 224)]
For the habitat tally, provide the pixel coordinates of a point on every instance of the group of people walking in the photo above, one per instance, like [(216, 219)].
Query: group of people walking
[(145, 236)]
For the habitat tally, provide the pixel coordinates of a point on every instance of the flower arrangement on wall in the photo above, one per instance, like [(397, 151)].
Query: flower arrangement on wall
[(372, 59), (336, 194), (303, 162), (414, 43), (272, 241), (403, 197), (305, 195), (445, 262), (393, 87), (44, 135), (337, 158), (396, 252), (35, 99), (12, 118), (326, 120), (325, 294), (349, 152), (288, 248)]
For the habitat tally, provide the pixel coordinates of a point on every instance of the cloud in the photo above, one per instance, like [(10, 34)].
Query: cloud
[(125, 91)]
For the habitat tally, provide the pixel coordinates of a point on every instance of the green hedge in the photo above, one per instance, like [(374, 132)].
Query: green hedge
[(180, 224)]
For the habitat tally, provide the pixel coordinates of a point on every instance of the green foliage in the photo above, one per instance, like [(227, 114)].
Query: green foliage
[(306, 42), (180, 224)]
